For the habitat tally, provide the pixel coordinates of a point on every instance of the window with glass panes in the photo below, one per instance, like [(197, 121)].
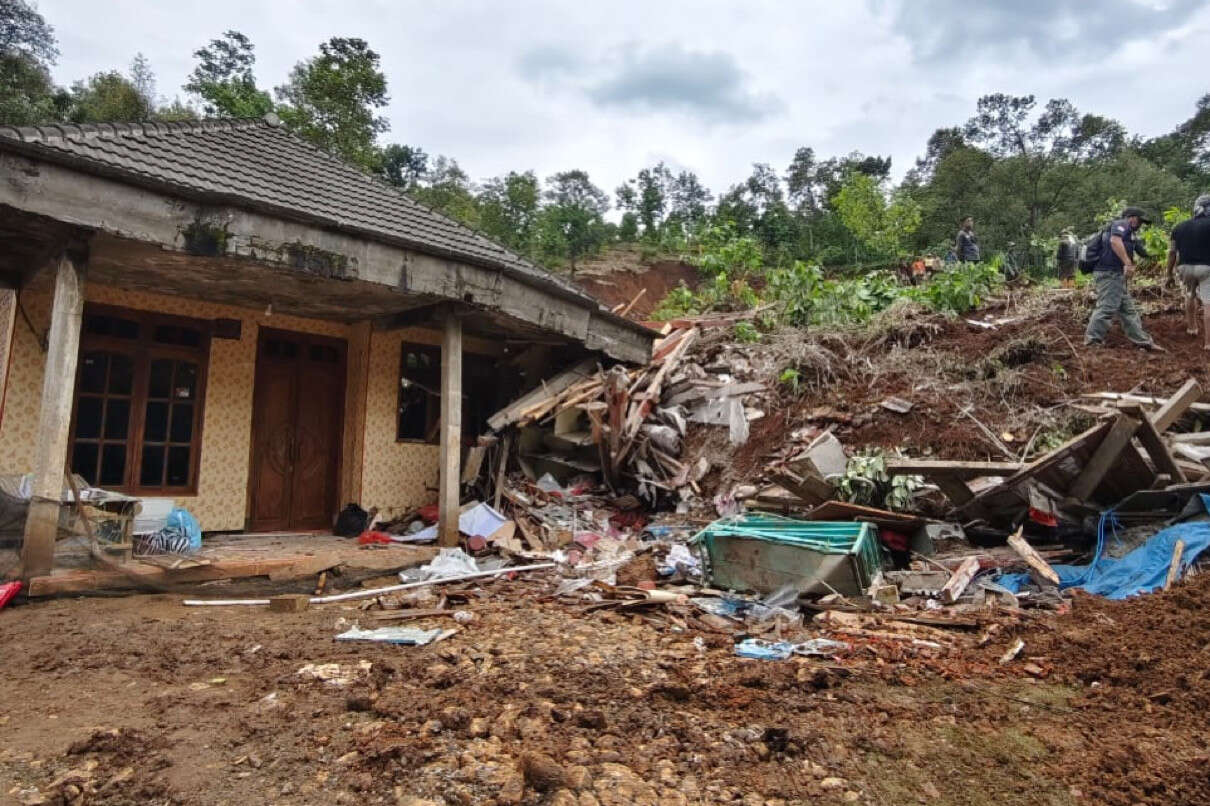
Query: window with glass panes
[(138, 407)]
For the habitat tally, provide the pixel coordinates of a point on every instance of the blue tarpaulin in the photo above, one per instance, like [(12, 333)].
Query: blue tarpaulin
[(1141, 571)]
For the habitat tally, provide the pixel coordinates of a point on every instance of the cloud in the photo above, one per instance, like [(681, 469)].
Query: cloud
[(548, 62), (1064, 30), (709, 86)]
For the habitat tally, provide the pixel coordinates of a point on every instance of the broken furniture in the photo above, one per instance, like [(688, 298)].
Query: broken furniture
[(766, 552)]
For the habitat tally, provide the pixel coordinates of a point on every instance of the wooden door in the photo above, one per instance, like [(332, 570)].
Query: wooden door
[(297, 423)]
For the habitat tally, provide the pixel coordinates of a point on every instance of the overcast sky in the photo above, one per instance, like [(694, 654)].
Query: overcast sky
[(614, 86)]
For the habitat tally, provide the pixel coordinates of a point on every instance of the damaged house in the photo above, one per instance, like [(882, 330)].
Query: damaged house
[(219, 313)]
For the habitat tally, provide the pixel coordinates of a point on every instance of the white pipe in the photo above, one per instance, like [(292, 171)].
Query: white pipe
[(366, 594)]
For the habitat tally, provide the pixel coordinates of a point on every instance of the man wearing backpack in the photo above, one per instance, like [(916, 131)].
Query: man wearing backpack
[(1113, 269), (1190, 245)]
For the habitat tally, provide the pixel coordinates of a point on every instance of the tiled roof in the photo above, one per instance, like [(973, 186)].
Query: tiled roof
[(257, 163)]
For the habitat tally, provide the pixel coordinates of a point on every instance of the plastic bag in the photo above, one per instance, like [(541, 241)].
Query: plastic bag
[(182, 520)]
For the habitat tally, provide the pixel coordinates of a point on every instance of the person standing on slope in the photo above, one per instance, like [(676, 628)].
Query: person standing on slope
[(1189, 253), (1113, 270)]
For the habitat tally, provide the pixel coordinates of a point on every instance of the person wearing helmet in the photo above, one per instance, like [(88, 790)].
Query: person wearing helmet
[(1111, 273), (1189, 254)]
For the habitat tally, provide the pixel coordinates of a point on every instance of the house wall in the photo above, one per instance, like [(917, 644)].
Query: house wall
[(397, 475), (376, 470)]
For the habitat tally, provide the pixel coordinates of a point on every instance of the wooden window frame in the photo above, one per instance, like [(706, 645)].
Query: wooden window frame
[(433, 409), (142, 351)]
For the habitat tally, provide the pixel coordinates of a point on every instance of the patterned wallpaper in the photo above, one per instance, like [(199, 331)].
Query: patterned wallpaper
[(221, 500), (377, 470)]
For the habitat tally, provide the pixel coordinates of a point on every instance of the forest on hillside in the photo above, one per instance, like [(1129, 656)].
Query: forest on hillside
[(1024, 169)]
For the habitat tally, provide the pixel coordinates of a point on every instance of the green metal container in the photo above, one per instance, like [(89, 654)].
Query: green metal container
[(760, 552)]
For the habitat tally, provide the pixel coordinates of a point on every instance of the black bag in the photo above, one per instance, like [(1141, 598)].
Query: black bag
[(1094, 247), (352, 521)]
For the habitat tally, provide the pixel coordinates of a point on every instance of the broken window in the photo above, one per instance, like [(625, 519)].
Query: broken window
[(420, 393), (136, 426)]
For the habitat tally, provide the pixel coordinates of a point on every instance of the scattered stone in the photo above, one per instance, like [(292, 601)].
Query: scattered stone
[(543, 773)]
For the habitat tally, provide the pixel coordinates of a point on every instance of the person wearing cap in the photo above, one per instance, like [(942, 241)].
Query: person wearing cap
[(1189, 254), (1068, 257), (1111, 274)]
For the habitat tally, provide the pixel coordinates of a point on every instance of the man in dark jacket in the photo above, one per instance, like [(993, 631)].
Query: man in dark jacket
[(1111, 274), (1190, 246), (966, 247)]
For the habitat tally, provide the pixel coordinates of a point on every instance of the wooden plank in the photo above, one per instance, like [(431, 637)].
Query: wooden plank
[(955, 489), (960, 470), (138, 575), (1034, 560), (54, 416), (1146, 400), (474, 463), (961, 578), (502, 471), (451, 430), (1171, 411), (1174, 567), (1192, 438), (552, 386), (808, 487), (1153, 443), (1046, 461), (1119, 436)]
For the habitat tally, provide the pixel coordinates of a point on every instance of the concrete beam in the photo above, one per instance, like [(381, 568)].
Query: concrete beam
[(225, 230)]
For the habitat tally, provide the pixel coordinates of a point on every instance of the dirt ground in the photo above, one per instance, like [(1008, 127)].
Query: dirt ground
[(142, 700)]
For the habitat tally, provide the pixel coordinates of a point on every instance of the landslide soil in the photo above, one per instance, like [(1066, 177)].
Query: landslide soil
[(141, 700), (1016, 378)]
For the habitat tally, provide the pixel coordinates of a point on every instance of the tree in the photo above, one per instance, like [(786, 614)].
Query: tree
[(882, 227), (27, 50), (331, 100), (142, 78), (647, 196), (1038, 153), (572, 222), (24, 31), (106, 97), (508, 210), (1186, 150), (447, 189), (403, 166), (224, 80), (689, 202)]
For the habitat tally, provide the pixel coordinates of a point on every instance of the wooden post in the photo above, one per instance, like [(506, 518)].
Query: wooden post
[(54, 419), (1103, 457), (451, 429)]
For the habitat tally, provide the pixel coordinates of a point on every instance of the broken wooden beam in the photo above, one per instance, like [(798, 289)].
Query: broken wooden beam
[(1174, 567), (1153, 443), (1168, 413), (1103, 458), (961, 578), (958, 470), (1034, 560)]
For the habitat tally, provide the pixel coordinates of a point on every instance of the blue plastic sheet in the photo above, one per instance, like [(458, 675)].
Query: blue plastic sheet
[(1141, 571), (182, 520)]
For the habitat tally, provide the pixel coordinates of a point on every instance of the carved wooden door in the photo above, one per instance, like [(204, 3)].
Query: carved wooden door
[(297, 424)]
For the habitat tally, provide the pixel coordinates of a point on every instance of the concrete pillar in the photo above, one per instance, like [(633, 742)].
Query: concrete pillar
[(54, 419), (451, 429)]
